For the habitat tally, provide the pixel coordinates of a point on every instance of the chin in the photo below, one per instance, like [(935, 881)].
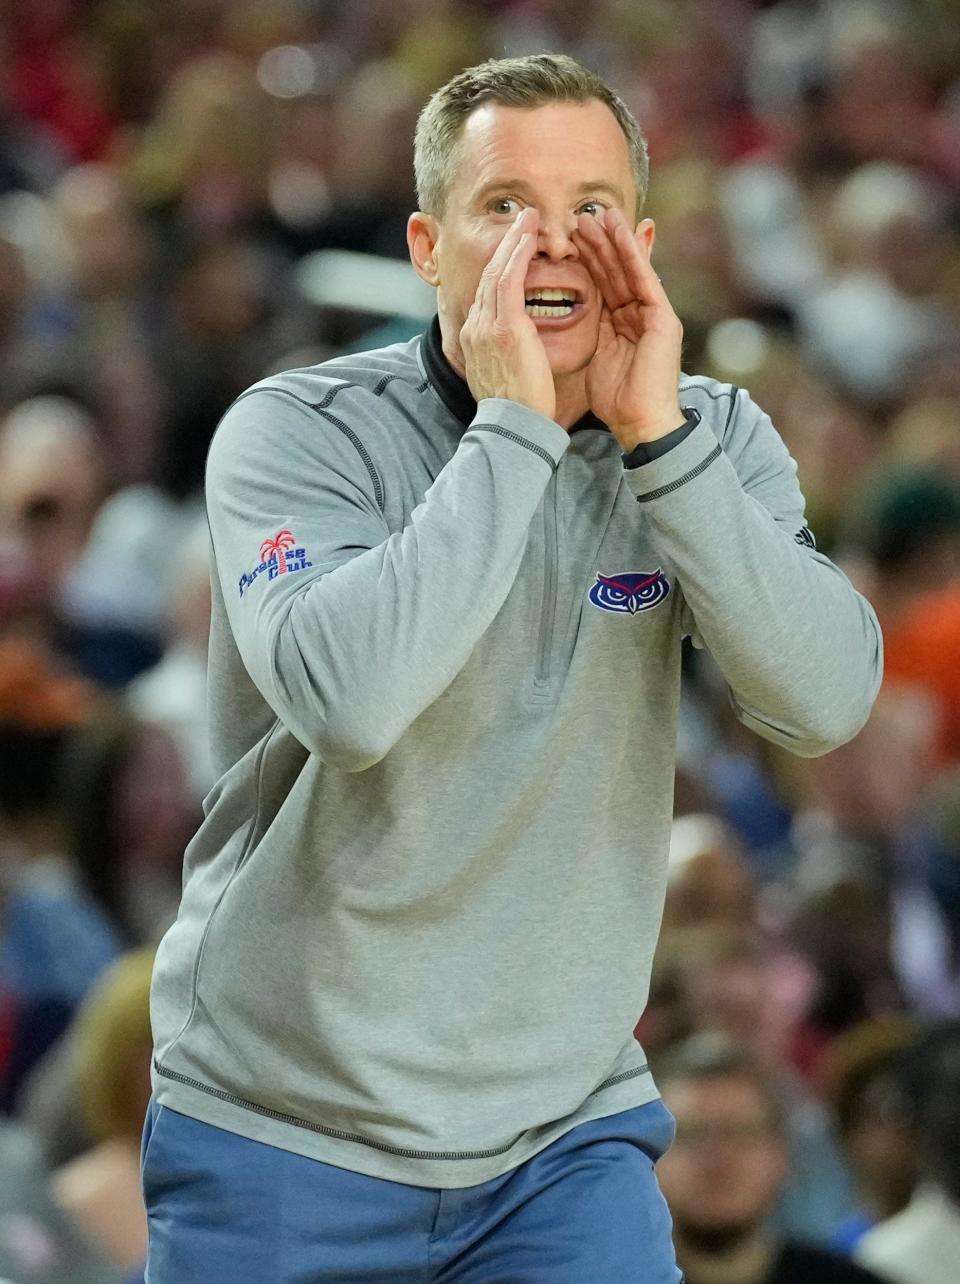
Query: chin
[(568, 353)]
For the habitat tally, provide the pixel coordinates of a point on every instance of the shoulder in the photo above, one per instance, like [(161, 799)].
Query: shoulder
[(929, 1217), (379, 373), (298, 409)]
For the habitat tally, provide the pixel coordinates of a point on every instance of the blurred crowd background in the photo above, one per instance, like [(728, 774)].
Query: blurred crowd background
[(173, 178)]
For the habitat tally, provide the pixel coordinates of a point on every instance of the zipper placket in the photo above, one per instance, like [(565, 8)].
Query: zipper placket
[(548, 617)]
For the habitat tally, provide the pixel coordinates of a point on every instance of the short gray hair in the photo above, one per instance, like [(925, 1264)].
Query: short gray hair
[(713, 1054), (531, 81)]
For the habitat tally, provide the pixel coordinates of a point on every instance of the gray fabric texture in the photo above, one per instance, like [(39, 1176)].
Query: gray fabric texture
[(419, 916)]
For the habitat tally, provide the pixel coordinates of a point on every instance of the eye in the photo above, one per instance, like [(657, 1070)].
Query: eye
[(594, 208), (504, 205)]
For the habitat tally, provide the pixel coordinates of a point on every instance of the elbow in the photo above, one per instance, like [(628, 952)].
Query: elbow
[(351, 739), (828, 727), (835, 722), (349, 752), (811, 731), (345, 742), (814, 742), (345, 732), (822, 716), (833, 727)]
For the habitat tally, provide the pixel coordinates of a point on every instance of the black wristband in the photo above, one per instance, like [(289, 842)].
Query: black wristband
[(647, 451)]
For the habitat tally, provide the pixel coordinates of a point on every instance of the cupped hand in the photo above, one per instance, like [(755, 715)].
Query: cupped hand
[(502, 352), (632, 383)]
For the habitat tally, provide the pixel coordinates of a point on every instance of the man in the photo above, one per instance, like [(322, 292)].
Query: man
[(726, 1169), (451, 582), (866, 1090), (921, 1244)]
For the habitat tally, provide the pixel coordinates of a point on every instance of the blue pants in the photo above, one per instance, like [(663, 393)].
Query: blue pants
[(585, 1210)]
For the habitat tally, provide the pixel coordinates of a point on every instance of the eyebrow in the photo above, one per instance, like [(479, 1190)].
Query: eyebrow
[(519, 185)]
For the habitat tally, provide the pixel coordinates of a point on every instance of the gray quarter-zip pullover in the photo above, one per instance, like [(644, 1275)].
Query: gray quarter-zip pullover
[(419, 916)]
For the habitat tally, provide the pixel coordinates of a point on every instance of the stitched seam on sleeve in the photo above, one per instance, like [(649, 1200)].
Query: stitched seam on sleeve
[(521, 441), (682, 481), (733, 405), (361, 451), (688, 384)]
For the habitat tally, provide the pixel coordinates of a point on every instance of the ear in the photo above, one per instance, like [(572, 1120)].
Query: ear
[(423, 233), (647, 233)]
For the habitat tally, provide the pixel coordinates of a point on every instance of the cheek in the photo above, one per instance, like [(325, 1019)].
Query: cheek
[(461, 260)]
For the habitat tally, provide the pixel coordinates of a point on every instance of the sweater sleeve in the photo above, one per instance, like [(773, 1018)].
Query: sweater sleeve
[(348, 629), (800, 649)]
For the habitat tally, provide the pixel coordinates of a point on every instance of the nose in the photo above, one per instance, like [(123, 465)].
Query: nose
[(554, 238)]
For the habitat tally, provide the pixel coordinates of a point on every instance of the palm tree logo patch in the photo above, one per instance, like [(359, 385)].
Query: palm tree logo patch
[(630, 592), (279, 555)]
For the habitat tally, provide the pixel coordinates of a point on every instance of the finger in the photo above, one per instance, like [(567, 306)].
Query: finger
[(510, 293), (487, 287), (602, 261), (634, 257), (606, 333)]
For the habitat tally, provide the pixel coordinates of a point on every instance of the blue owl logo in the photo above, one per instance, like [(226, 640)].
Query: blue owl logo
[(630, 592)]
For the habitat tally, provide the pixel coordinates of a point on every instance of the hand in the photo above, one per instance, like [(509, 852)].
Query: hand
[(632, 381), (502, 352)]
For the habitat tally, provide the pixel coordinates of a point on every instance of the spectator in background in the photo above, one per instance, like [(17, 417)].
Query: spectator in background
[(54, 940), (52, 479), (163, 168), (708, 878), (53, 475), (129, 813), (850, 875), (866, 1090), (173, 693), (921, 1244), (726, 1169), (911, 527), (111, 1045), (731, 984), (203, 160), (879, 320), (109, 298), (39, 1242), (226, 319)]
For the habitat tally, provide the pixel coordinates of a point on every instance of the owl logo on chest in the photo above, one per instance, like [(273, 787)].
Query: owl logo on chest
[(630, 592)]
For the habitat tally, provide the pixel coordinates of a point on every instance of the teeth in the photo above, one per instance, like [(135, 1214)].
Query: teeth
[(548, 302)]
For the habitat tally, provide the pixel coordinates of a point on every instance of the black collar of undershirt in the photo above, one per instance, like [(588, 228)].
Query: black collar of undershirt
[(453, 391)]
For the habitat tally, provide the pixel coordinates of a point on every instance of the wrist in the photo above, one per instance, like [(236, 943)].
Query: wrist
[(646, 451), (636, 434)]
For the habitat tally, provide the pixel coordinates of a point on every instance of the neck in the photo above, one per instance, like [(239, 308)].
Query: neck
[(572, 403), (747, 1261)]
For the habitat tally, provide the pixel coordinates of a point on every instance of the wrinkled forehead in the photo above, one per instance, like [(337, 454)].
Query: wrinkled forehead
[(724, 1096), (549, 146)]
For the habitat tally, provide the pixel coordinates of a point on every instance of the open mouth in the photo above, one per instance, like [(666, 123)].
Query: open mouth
[(550, 303)]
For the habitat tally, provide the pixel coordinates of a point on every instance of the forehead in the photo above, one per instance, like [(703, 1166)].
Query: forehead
[(555, 143), (726, 1097)]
